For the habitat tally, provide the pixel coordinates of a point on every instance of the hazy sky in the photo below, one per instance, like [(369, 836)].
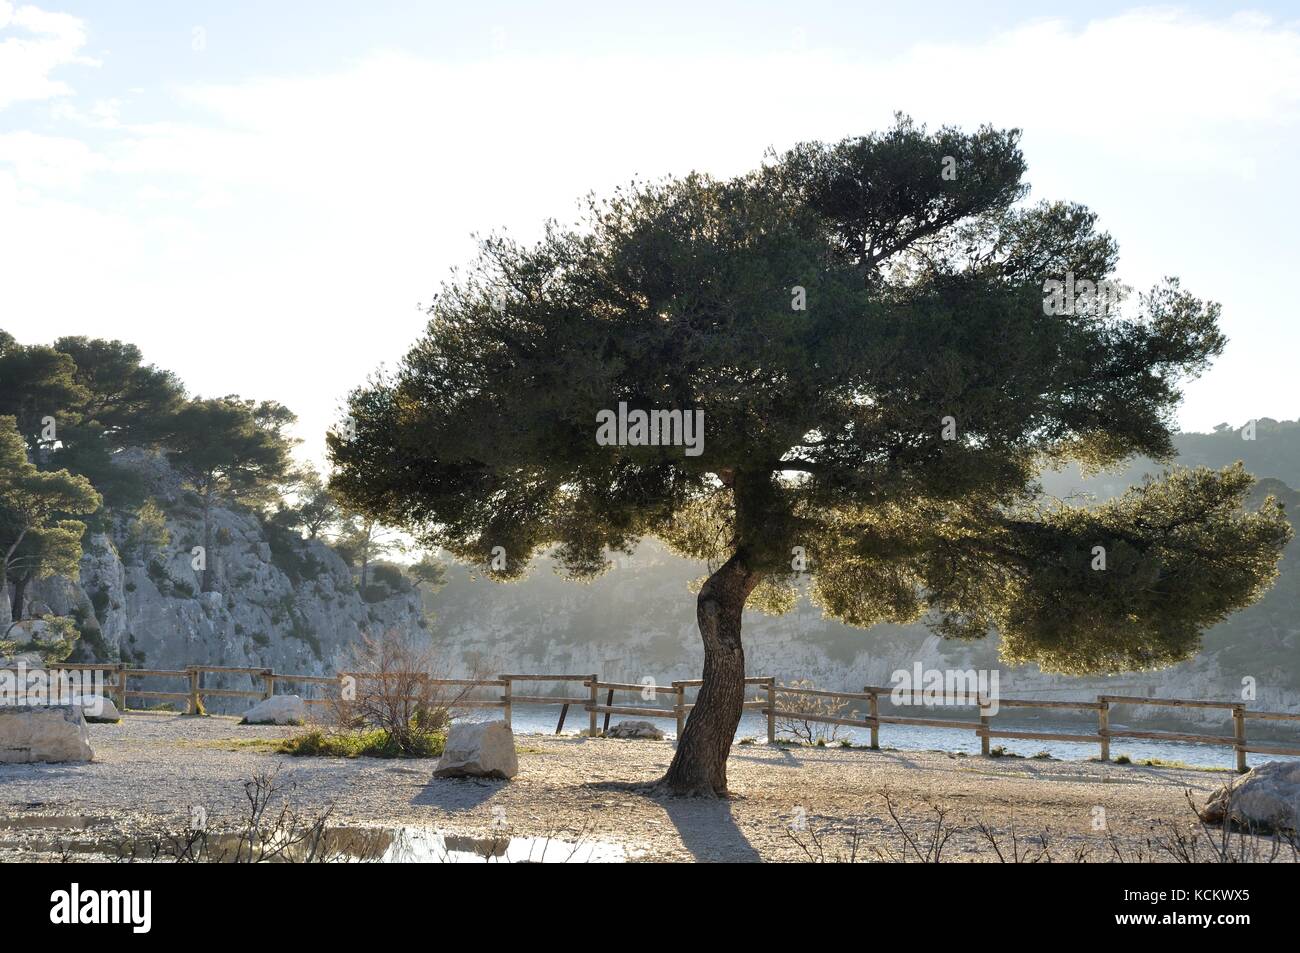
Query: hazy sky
[(260, 194)]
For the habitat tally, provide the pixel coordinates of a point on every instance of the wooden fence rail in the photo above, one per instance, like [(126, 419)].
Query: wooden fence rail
[(984, 729), (778, 702)]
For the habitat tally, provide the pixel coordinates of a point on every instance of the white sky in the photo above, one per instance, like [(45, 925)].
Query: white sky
[(260, 202)]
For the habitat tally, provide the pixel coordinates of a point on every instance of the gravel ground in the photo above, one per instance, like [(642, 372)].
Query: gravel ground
[(151, 769)]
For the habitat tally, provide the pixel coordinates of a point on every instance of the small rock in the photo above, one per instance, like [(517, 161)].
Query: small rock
[(97, 708), (635, 729), (478, 750), (1265, 798), (277, 710), (43, 733)]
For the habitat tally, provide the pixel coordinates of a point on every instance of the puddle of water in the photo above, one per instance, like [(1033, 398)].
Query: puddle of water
[(400, 845), (27, 822), (422, 846)]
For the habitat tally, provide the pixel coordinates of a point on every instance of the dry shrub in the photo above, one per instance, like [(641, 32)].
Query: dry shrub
[(391, 684), (809, 732)]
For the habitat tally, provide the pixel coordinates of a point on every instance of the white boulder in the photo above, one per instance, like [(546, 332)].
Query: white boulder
[(1265, 798), (635, 729), (43, 733), (277, 710), (478, 750), (96, 707)]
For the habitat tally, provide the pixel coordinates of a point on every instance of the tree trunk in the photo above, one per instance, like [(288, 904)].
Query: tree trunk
[(6, 616), (20, 596), (205, 584), (699, 767)]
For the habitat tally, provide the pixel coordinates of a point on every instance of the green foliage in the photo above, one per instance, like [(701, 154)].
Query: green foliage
[(376, 743), (36, 382), (428, 572), (126, 399), (56, 645), (167, 586), (37, 538), (158, 573), (825, 427), (101, 398), (314, 509), (289, 555), (146, 533), (361, 541), (99, 600), (227, 445), (387, 574)]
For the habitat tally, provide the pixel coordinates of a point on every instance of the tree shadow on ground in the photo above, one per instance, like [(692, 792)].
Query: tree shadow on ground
[(788, 759), (708, 830), (457, 794), (706, 826)]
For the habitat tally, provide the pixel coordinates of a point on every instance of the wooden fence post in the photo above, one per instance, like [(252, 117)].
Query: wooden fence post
[(506, 691), (984, 735), (268, 683), (1103, 728), (194, 689), (679, 707), (1239, 735), (609, 703), (595, 687), (121, 687), (771, 710), (564, 712), (873, 707)]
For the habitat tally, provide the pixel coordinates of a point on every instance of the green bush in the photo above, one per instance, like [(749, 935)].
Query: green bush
[(373, 594), (376, 743), (287, 555), (390, 576), (99, 599)]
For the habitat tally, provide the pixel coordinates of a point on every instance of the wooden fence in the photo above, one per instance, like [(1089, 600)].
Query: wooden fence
[(985, 730), (118, 677)]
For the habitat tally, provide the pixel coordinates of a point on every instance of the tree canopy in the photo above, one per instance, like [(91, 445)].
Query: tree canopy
[(38, 536), (864, 326), (226, 446)]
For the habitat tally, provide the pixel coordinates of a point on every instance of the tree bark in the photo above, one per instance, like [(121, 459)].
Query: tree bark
[(206, 583), (20, 596), (699, 768)]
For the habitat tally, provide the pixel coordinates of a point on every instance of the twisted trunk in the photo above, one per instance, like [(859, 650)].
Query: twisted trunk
[(699, 767)]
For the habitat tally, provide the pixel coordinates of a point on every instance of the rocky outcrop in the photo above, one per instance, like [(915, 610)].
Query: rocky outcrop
[(279, 601), (31, 733), (1266, 798), (478, 750)]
